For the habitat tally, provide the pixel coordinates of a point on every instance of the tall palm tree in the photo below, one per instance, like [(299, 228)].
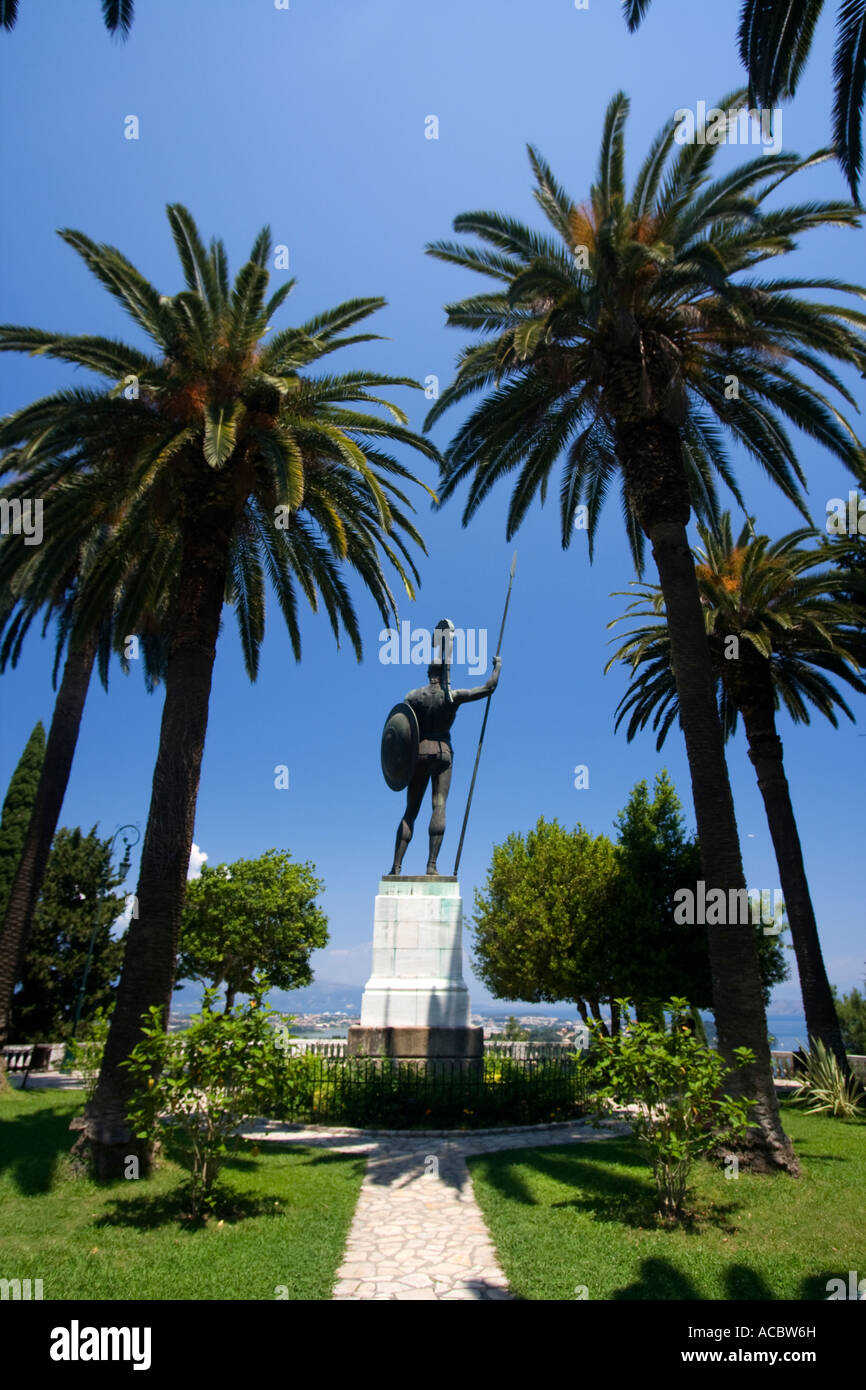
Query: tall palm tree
[(275, 479), (778, 628), (116, 15), (615, 345), (48, 577), (775, 39)]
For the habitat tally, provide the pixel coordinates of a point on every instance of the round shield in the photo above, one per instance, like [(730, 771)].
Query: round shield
[(400, 746)]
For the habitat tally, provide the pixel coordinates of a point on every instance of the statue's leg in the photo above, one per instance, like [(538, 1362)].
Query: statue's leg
[(414, 798), (441, 783)]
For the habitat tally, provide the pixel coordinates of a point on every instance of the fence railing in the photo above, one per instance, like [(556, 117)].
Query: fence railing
[(368, 1092), (33, 1056), (493, 1047), (533, 1051), (25, 1057), (785, 1070)]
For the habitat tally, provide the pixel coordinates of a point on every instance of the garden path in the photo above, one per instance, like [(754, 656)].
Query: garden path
[(418, 1232)]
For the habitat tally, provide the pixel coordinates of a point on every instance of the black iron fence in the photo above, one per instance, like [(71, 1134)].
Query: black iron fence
[(373, 1093)]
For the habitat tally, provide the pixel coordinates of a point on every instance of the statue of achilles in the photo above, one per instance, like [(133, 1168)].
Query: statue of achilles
[(432, 710)]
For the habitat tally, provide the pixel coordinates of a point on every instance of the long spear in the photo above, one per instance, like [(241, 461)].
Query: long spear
[(484, 722)]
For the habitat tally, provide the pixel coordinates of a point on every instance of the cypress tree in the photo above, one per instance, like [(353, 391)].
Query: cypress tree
[(17, 809), (78, 905)]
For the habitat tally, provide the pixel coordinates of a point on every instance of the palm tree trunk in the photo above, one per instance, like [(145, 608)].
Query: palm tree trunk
[(614, 1015), (657, 492), (53, 781), (765, 752), (150, 960)]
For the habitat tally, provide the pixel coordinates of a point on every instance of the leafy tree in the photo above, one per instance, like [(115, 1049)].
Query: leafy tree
[(655, 858), (116, 15), (539, 921), (775, 39), (78, 904), (851, 1009), (273, 477), (565, 916), (779, 632), (17, 810), (249, 918), (513, 1031), (611, 345)]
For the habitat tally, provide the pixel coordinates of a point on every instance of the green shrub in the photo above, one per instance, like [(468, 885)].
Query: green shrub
[(84, 1051), (672, 1083), (384, 1094), (199, 1085), (826, 1086)]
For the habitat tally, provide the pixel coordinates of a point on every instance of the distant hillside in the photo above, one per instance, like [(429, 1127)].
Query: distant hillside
[(321, 997)]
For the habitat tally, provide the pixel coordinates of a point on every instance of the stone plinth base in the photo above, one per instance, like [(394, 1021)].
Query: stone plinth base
[(417, 1044), (415, 1006), (417, 977)]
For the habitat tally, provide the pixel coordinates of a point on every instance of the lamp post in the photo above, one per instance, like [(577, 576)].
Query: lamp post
[(127, 846)]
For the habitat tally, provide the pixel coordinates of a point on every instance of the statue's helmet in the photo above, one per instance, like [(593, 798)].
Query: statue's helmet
[(443, 647)]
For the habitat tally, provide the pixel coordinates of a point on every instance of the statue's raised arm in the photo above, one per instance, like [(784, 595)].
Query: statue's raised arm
[(479, 692)]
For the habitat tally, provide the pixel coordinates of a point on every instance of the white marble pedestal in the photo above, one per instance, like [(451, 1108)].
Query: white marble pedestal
[(416, 1005)]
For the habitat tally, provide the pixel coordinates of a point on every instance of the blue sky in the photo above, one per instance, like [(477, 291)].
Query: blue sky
[(312, 119)]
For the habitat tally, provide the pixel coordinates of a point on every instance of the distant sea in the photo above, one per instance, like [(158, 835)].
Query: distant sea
[(788, 1030)]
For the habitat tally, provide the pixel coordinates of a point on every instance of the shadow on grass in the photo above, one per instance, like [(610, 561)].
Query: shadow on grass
[(660, 1278), (33, 1142), (243, 1161), (147, 1212), (601, 1188)]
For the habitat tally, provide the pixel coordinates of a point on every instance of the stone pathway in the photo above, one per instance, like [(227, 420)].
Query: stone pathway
[(418, 1232)]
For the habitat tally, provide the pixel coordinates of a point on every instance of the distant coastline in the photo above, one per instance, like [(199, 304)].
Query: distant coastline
[(787, 1029)]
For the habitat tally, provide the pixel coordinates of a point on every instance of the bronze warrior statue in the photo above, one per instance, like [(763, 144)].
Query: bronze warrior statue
[(423, 723)]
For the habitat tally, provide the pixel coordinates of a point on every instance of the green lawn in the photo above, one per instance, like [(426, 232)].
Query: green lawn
[(123, 1240), (583, 1215)]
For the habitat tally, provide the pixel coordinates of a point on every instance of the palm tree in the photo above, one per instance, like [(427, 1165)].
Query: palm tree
[(116, 15), (274, 478), (847, 552), (775, 39), (616, 345), (48, 577), (778, 629)]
